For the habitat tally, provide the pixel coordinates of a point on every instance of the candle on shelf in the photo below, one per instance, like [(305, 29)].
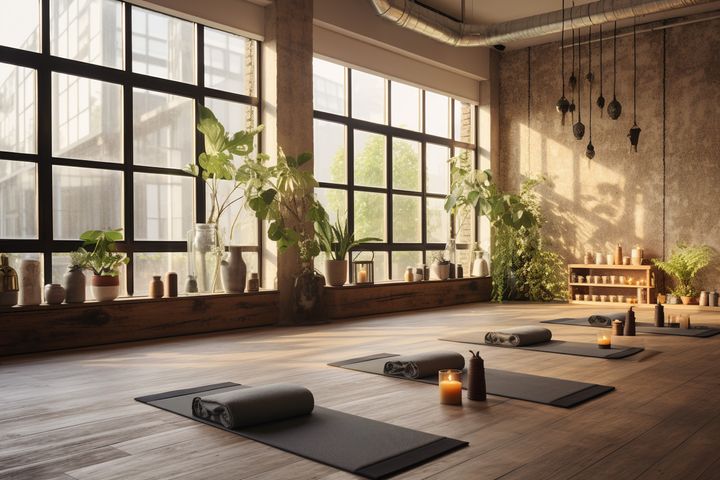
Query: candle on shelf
[(362, 276), (603, 340), (450, 383)]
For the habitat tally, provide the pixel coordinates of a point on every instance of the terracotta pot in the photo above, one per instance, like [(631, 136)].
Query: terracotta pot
[(440, 271), (105, 288), (687, 300), (336, 272)]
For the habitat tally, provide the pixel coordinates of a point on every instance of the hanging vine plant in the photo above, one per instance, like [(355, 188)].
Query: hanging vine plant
[(562, 105), (614, 108), (634, 133), (590, 150), (579, 127), (601, 100)]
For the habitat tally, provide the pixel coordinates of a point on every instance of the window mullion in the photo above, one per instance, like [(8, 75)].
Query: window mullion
[(128, 150)]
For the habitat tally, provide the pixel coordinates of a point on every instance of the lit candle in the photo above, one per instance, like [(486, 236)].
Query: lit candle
[(603, 340), (450, 383), (362, 276)]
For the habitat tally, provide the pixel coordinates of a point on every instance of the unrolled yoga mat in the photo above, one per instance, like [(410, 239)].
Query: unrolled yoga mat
[(520, 386), (554, 346), (355, 444), (701, 332)]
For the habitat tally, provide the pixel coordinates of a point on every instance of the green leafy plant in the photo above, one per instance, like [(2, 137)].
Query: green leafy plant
[(99, 253), (283, 195), (683, 265), (78, 259), (225, 179), (336, 240), (439, 258)]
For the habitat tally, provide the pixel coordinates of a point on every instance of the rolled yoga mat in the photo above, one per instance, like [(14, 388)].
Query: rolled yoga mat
[(518, 336), (700, 332), (355, 444), (424, 364), (520, 386), (555, 346)]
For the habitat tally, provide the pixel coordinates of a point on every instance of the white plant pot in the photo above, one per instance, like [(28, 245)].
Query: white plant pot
[(439, 271)]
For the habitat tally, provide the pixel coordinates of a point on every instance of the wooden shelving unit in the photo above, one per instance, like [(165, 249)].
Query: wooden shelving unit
[(643, 274)]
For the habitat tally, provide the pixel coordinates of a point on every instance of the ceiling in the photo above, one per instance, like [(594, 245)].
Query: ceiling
[(494, 11)]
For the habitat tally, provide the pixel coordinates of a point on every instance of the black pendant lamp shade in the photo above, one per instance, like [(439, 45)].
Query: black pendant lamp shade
[(634, 133), (579, 127)]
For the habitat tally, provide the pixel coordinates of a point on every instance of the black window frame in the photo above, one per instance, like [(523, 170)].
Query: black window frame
[(45, 65)]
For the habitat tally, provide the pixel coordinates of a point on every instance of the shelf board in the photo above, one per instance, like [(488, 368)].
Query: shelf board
[(611, 285), (618, 304), (610, 267)]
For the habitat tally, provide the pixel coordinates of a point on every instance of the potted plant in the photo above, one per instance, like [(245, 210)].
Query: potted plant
[(101, 256), (683, 265), (225, 181), (74, 278), (440, 267), (336, 241)]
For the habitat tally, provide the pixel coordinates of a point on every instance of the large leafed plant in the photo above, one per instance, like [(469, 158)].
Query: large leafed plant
[(683, 265)]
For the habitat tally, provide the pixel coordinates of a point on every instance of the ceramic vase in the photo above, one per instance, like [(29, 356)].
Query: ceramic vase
[(156, 287), (30, 284), (105, 288), (440, 271), (234, 271), (171, 285), (336, 272), (703, 299), (74, 283), (54, 294), (253, 284)]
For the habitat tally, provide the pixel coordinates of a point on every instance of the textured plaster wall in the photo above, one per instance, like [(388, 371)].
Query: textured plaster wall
[(591, 205)]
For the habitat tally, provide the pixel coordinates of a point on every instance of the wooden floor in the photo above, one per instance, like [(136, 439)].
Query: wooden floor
[(71, 415)]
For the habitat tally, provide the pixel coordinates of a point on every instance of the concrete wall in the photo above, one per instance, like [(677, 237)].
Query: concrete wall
[(663, 193)]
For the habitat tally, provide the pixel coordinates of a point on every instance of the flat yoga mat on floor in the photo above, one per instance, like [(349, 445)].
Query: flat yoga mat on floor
[(701, 332), (355, 444), (554, 346), (520, 386)]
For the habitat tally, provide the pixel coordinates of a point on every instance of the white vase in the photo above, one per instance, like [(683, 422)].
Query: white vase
[(234, 271), (30, 284)]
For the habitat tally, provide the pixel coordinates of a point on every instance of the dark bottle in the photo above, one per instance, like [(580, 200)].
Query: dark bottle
[(459, 271), (659, 315), (630, 323), (476, 378)]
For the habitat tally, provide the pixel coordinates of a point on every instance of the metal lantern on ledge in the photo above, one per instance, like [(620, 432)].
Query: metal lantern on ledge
[(361, 271)]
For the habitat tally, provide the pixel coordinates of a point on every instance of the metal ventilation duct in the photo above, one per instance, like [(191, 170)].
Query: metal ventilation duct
[(409, 14)]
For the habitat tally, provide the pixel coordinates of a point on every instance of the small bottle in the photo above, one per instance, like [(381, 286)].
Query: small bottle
[(419, 274), (617, 327), (409, 276), (618, 255), (476, 389), (253, 284), (630, 323), (171, 284), (155, 288), (713, 299), (459, 270), (659, 315)]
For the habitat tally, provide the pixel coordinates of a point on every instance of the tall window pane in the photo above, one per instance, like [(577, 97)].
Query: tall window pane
[(402, 260), (163, 129), (334, 201), (164, 206), (20, 24), (330, 153), (370, 154), (87, 31), (370, 215), (368, 97), (238, 224), (163, 46), (87, 119), (438, 170), (18, 200), (85, 199), (233, 115), (438, 221), (407, 219), (405, 109), (437, 114), (18, 123), (328, 87), (230, 62), (406, 165), (149, 264)]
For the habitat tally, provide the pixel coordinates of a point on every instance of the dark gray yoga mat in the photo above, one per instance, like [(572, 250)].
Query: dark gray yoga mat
[(520, 386), (554, 346), (355, 444), (701, 332)]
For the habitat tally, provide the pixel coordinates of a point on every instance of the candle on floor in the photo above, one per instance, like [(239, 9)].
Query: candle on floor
[(603, 340), (450, 382)]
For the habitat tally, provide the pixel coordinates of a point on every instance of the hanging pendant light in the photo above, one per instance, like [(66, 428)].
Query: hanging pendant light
[(634, 133), (590, 150), (579, 127), (614, 108), (601, 100), (562, 105), (589, 76), (572, 82)]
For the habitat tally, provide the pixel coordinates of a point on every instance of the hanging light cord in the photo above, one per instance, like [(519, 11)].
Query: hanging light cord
[(614, 57), (601, 62), (580, 76), (590, 100), (562, 50), (634, 74)]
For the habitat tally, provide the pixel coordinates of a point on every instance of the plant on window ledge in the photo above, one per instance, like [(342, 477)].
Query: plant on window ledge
[(521, 267), (99, 254), (683, 265)]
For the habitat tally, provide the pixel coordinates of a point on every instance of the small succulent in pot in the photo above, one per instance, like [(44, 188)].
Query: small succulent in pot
[(614, 109)]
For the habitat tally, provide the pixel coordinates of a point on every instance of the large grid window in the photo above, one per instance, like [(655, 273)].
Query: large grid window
[(97, 121), (381, 157)]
